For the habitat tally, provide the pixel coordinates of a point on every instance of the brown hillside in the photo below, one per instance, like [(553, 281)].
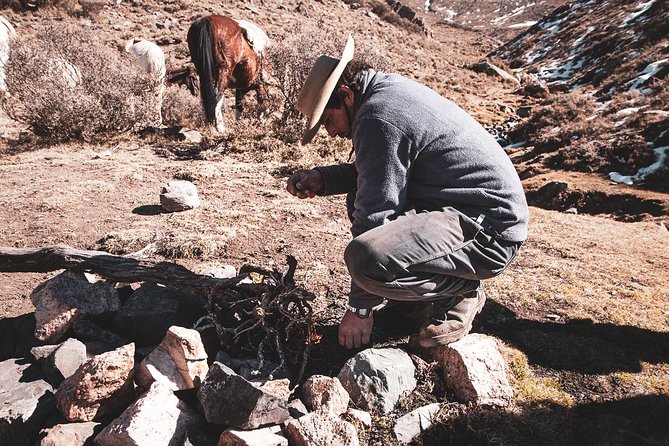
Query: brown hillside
[(582, 315)]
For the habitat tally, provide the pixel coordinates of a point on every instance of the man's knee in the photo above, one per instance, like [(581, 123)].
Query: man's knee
[(364, 260)]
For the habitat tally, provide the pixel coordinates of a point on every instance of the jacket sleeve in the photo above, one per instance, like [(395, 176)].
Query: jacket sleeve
[(383, 160), (338, 179)]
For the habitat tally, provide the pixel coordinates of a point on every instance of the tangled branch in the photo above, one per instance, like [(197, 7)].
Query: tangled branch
[(269, 316)]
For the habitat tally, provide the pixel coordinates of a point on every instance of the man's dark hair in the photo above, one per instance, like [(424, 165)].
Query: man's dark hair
[(352, 78)]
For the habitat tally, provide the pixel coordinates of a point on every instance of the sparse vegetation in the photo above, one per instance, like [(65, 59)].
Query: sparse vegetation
[(582, 134), (596, 372), (182, 109), (66, 84), (74, 8)]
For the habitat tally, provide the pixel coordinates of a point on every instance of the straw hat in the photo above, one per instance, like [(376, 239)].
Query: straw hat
[(319, 86)]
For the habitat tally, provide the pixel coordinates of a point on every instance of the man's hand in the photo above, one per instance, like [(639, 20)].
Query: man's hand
[(305, 183), (355, 332)]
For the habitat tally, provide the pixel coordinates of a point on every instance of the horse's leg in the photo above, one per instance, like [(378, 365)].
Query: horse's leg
[(224, 76), (220, 124), (261, 95), (161, 93), (239, 97)]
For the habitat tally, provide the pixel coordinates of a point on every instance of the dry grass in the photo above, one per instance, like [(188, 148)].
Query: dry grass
[(126, 242), (187, 246), (528, 388), (169, 245), (182, 109), (67, 85)]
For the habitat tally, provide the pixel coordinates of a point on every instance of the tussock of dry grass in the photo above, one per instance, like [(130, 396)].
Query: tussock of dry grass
[(126, 242), (189, 246), (182, 109), (172, 246)]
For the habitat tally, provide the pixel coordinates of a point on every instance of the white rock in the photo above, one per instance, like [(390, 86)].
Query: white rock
[(157, 417), (260, 437), (474, 369), (376, 378), (179, 195), (411, 425), (180, 361)]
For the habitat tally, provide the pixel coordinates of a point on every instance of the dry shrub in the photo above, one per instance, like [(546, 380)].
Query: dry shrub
[(619, 135), (189, 246), (556, 121), (291, 61), (74, 8), (182, 109), (107, 96), (387, 14)]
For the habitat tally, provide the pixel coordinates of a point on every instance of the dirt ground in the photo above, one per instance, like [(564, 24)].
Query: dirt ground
[(582, 314)]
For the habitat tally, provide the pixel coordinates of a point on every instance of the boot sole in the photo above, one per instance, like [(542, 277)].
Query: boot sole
[(445, 339)]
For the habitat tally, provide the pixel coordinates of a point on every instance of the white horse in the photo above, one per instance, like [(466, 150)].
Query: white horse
[(7, 32), (149, 57)]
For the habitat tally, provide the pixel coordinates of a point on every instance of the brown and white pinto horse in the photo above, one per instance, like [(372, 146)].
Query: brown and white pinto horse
[(224, 58)]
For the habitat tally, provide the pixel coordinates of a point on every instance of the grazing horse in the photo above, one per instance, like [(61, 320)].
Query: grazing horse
[(186, 76), (7, 33), (224, 57), (150, 58)]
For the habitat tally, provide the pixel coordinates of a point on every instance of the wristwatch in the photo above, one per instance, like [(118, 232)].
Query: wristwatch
[(362, 313)]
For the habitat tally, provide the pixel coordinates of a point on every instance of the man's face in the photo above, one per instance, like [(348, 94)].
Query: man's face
[(336, 121)]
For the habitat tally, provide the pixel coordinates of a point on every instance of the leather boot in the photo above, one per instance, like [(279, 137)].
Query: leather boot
[(451, 324)]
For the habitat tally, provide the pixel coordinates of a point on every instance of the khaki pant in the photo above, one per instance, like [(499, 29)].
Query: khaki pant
[(426, 256)]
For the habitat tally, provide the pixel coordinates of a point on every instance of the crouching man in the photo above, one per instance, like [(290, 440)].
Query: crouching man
[(435, 203)]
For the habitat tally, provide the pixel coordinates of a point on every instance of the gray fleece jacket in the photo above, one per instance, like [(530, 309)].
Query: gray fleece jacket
[(416, 149)]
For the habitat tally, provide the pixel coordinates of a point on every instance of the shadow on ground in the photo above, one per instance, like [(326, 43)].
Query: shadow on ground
[(148, 209), (637, 420), (577, 345)]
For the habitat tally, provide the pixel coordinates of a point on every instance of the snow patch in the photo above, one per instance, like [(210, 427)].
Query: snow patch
[(640, 10), (515, 12), (648, 72), (523, 25), (644, 172)]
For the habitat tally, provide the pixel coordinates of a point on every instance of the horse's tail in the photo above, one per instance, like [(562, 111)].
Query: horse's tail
[(201, 45)]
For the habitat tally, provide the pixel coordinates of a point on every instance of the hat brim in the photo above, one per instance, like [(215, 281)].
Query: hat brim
[(314, 121)]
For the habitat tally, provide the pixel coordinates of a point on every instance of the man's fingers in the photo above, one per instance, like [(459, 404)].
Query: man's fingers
[(366, 338), (357, 340)]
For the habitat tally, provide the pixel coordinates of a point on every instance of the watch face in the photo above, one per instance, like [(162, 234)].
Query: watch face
[(362, 312)]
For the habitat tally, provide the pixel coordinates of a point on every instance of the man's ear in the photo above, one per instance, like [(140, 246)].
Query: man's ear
[(347, 95)]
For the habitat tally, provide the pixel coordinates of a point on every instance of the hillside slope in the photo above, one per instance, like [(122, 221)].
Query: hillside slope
[(607, 62), (581, 316)]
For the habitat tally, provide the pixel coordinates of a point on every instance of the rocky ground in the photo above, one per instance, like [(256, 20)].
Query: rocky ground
[(581, 316)]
